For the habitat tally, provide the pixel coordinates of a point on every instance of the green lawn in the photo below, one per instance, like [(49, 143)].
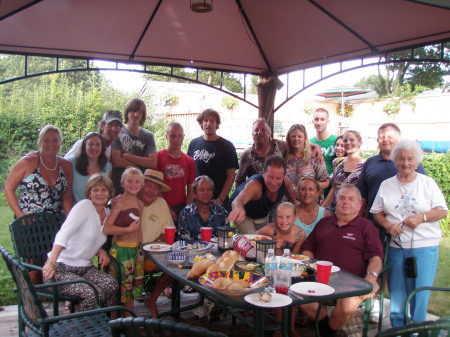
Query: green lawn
[(6, 282), (438, 303)]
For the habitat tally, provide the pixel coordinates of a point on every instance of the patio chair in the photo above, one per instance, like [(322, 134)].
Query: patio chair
[(35, 320), (131, 327), (419, 329), (33, 236), (407, 318)]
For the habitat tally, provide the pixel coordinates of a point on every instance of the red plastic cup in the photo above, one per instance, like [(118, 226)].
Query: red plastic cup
[(206, 233), (323, 271), (170, 234)]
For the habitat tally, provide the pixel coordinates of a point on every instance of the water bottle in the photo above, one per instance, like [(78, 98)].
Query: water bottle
[(270, 268), (284, 273)]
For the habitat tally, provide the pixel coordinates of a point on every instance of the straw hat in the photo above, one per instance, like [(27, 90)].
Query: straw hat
[(158, 178)]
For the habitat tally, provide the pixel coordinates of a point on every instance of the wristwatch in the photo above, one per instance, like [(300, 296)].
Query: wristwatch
[(372, 273)]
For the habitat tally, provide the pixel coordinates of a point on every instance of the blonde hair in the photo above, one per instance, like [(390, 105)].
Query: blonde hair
[(99, 179), (44, 131), (132, 171), (307, 145), (285, 204)]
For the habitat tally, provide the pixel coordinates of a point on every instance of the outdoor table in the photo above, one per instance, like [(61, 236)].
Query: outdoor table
[(344, 283)]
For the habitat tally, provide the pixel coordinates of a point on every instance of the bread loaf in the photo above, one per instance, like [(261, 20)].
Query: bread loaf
[(199, 268)]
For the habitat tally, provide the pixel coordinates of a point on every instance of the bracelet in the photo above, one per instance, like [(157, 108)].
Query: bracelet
[(424, 217), (220, 200), (50, 262), (372, 273)]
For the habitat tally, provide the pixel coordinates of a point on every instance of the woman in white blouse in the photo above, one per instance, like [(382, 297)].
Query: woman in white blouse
[(409, 206), (78, 241)]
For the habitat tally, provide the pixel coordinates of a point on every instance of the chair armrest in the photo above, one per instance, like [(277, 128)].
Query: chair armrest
[(49, 320), (407, 319), (54, 284), (31, 266)]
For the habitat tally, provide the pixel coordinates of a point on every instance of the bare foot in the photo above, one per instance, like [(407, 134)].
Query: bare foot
[(151, 305)]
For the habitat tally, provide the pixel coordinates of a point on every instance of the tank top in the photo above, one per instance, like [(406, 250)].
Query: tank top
[(123, 218), (308, 228), (287, 244), (37, 197)]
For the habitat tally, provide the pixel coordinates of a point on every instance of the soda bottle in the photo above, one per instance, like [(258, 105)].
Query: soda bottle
[(270, 268), (284, 273)]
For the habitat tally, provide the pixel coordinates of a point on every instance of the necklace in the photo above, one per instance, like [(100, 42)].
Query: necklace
[(42, 162), (316, 211)]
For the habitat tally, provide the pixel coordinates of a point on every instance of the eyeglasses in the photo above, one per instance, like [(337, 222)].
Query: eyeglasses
[(396, 239)]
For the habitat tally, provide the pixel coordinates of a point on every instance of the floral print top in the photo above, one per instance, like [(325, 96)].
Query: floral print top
[(190, 220), (296, 169), (36, 196)]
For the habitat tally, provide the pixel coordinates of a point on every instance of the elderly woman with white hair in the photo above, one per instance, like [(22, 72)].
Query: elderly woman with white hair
[(409, 206)]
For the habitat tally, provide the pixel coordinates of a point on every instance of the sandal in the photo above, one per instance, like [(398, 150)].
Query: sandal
[(188, 290)]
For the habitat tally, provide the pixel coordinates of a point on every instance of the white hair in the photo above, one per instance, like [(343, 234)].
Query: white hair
[(407, 144)]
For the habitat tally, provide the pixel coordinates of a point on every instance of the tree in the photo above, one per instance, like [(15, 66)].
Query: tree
[(417, 75), (230, 81)]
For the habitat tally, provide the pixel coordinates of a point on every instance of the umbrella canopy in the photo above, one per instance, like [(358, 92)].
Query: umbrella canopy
[(240, 36), (343, 91)]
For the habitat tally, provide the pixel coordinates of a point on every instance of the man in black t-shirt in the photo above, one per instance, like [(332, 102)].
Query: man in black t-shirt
[(214, 156)]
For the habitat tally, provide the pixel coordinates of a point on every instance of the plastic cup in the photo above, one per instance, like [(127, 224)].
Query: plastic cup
[(323, 271), (206, 233), (170, 234), (282, 286)]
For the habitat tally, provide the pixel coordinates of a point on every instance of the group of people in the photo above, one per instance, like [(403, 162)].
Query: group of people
[(329, 202)]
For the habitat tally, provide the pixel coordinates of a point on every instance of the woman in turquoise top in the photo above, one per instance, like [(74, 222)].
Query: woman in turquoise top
[(90, 159), (308, 212)]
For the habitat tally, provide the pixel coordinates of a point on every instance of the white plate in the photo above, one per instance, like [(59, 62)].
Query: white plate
[(335, 269), (277, 301), (214, 240), (312, 289), (152, 247)]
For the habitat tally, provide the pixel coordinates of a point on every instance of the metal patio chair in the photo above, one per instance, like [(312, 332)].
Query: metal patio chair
[(141, 326), (34, 318), (419, 329)]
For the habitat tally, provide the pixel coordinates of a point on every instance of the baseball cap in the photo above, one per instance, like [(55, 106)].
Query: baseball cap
[(111, 116)]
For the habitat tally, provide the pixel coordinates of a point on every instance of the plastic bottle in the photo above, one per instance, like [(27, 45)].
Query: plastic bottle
[(284, 273), (270, 268)]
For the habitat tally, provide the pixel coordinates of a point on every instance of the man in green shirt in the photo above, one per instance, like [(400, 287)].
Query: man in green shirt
[(324, 139)]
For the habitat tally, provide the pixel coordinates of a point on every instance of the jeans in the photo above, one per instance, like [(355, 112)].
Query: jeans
[(400, 285)]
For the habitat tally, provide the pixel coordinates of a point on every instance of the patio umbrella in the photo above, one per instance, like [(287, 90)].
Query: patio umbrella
[(342, 91)]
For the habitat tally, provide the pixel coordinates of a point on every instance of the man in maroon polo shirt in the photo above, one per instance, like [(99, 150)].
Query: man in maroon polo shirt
[(352, 243)]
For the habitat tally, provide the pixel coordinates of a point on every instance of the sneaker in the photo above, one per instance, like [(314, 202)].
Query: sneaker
[(375, 312)]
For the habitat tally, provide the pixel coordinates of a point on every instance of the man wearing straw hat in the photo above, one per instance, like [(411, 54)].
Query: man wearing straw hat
[(156, 213)]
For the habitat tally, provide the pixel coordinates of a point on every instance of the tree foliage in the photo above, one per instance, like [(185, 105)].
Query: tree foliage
[(73, 101), (230, 81), (414, 76)]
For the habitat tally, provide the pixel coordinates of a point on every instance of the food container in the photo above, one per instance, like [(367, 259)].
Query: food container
[(304, 274), (176, 258), (257, 282), (191, 248)]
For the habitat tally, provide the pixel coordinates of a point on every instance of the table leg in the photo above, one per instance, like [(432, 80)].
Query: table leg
[(175, 297), (259, 323), (286, 321)]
